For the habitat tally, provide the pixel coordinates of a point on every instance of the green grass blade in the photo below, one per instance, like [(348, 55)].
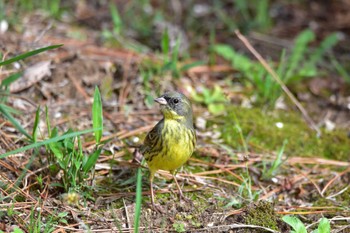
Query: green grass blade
[(191, 65), (263, 18), (138, 199), (48, 125), (117, 22), (54, 132), (46, 142), (239, 62), (11, 110), (282, 64), (13, 121), (243, 8), (329, 42), (91, 161), (165, 43), (29, 54), (276, 163), (340, 69), (175, 57), (299, 50), (36, 123), (57, 151), (97, 115), (10, 79), (212, 41), (176, 50), (278, 160)]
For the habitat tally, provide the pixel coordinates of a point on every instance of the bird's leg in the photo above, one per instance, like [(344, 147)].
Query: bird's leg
[(152, 195), (179, 188), (154, 206), (151, 176)]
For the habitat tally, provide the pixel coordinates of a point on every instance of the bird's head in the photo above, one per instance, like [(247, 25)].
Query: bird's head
[(176, 106)]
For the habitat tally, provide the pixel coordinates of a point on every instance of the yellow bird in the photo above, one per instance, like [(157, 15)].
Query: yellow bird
[(173, 139)]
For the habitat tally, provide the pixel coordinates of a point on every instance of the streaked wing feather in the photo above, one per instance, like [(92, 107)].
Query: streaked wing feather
[(151, 138)]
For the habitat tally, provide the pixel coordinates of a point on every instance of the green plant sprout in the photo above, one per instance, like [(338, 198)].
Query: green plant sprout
[(276, 164), (214, 99), (299, 227), (63, 154), (5, 110), (298, 66)]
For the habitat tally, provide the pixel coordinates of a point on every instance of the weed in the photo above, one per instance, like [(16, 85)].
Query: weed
[(11, 211), (179, 227), (117, 22), (37, 223), (239, 130), (298, 226), (97, 116), (250, 15), (298, 66), (40, 181), (272, 171), (171, 57), (340, 69), (138, 200), (144, 22), (65, 152), (214, 99), (15, 230), (53, 7), (147, 75), (115, 37), (66, 157), (5, 110), (245, 190), (70, 159)]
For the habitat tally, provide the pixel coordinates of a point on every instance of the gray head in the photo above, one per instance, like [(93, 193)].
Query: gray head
[(176, 106)]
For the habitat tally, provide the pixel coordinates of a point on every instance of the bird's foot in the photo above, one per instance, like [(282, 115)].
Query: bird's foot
[(183, 198), (158, 208)]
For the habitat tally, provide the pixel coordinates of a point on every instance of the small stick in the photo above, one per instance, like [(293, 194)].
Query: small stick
[(333, 179)]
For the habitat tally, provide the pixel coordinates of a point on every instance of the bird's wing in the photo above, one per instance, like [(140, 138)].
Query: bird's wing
[(151, 138)]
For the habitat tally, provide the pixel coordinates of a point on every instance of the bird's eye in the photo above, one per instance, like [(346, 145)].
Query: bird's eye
[(176, 101)]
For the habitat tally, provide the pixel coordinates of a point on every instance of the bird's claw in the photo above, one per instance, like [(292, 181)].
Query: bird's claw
[(158, 208)]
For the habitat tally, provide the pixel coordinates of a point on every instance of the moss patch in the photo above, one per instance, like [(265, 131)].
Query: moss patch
[(261, 133), (262, 214)]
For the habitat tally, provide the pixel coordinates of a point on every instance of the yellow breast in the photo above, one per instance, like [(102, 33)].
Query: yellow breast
[(178, 142)]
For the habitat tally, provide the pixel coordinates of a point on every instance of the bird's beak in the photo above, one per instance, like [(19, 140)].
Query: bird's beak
[(161, 101)]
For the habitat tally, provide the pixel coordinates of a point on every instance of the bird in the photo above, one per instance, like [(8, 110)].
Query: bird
[(172, 140)]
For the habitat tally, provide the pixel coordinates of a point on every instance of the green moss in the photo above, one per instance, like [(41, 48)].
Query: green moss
[(344, 197), (262, 214), (189, 214), (164, 197), (323, 202), (339, 202), (261, 133)]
